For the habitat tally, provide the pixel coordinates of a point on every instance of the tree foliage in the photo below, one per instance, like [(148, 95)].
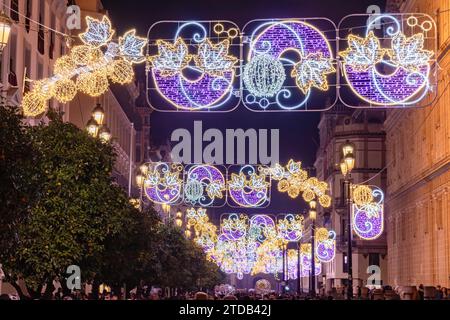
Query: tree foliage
[(61, 207)]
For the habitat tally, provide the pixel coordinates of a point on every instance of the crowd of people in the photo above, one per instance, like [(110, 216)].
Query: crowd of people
[(385, 293)]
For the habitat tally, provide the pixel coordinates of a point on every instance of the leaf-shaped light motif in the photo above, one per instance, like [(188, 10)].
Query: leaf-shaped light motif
[(214, 190), (363, 53), (257, 182), (153, 178), (278, 173), (237, 181), (171, 58), (312, 72), (171, 179), (132, 47), (294, 167), (214, 59), (409, 53), (98, 33)]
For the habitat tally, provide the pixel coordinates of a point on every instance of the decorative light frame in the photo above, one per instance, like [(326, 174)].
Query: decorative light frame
[(294, 95), (368, 218), (414, 88), (204, 38)]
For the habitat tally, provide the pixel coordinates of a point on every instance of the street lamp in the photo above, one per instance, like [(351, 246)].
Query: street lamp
[(98, 114), (92, 127), (5, 30), (104, 134), (347, 165), (313, 217)]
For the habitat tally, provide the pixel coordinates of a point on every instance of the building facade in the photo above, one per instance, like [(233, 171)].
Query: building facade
[(418, 157), (365, 130), (32, 49)]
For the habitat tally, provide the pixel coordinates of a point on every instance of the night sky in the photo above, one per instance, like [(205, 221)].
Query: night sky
[(298, 131)]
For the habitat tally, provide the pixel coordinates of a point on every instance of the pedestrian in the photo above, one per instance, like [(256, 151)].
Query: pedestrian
[(444, 293), (421, 292), (439, 293)]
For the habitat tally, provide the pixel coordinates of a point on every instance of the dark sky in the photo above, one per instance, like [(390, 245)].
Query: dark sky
[(298, 131)]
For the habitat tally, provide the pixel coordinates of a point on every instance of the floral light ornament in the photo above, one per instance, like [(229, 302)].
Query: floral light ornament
[(249, 192), (290, 228), (163, 184), (312, 72), (363, 53), (93, 64), (214, 59), (408, 53), (326, 245), (368, 217), (172, 58)]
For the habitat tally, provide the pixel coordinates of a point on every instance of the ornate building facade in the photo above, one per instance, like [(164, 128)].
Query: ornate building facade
[(365, 130), (418, 157)]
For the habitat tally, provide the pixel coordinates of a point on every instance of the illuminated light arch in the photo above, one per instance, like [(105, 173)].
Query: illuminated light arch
[(250, 188), (326, 247), (368, 218), (94, 63), (274, 39), (213, 86), (204, 185), (409, 82), (164, 183)]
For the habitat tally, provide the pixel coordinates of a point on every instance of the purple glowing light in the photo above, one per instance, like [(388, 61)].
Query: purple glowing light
[(205, 92), (397, 88), (284, 35), (368, 226)]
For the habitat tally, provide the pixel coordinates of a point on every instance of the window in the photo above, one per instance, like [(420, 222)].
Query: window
[(51, 47), (28, 12), (41, 34), (27, 60), (12, 76), (14, 10)]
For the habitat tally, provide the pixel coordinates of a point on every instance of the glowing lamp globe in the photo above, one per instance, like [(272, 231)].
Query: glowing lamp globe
[(92, 127), (98, 114), (5, 30), (104, 134), (264, 76)]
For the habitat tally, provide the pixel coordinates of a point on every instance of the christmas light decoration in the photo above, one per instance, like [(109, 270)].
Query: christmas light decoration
[(326, 245), (163, 184), (290, 228), (204, 184), (90, 64), (213, 59), (121, 72), (294, 181), (264, 76), (362, 195), (407, 84), (312, 72), (65, 90), (368, 217), (235, 226), (211, 69), (269, 59), (252, 192)]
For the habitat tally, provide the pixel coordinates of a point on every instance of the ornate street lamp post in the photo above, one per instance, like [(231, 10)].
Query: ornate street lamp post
[(313, 217), (347, 165)]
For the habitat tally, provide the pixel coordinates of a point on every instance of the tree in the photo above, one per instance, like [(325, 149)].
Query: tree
[(75, 206)]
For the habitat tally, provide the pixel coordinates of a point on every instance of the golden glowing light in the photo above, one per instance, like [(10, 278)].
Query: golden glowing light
[(362, 195), (64, 90)]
